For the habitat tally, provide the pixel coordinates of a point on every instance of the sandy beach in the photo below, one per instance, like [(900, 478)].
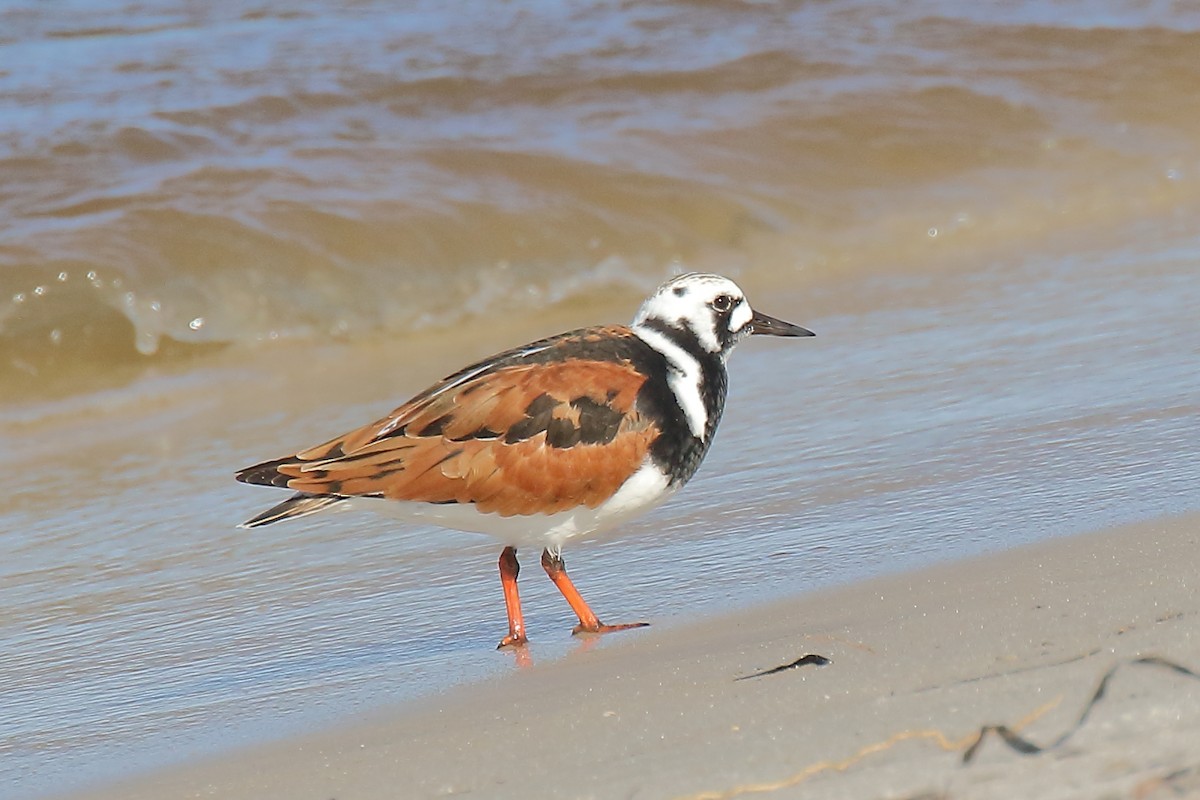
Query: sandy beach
[(921, 664)]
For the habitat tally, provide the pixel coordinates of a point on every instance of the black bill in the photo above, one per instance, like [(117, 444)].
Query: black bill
[(762, 324)]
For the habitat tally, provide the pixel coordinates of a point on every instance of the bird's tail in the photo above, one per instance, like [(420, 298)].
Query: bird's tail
[(298, 505)]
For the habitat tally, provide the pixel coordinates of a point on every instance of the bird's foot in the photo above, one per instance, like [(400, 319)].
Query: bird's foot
[(600, 627), (513, 640)]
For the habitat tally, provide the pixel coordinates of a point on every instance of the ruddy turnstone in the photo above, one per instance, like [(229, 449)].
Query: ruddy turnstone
[(546, 443)]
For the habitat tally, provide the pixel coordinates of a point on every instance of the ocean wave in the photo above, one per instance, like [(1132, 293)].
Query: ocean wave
[(358, 173)]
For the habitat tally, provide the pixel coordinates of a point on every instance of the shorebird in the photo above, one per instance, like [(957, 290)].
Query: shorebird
[(545, 443)]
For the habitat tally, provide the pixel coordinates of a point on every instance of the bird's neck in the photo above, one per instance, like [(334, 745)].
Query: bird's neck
[(695, 376)]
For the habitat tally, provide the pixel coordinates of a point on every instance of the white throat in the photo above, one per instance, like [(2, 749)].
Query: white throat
[(684, 378)]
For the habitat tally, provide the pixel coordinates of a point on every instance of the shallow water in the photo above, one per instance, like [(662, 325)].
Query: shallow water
[(989, 219)]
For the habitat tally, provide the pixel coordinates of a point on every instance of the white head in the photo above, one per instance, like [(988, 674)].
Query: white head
[(712, 309)]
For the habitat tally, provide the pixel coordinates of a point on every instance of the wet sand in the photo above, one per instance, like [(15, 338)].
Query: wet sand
[(921, 663)]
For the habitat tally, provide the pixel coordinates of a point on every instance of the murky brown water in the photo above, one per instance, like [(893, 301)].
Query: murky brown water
[(228, 233)]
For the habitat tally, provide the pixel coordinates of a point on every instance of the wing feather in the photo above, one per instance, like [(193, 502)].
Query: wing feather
[(537, 430)]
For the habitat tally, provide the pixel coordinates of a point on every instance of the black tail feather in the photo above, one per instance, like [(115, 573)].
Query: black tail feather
[(298, 505), (266, 473)]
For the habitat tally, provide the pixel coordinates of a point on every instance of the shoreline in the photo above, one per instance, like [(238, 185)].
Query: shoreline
[(922, 662)]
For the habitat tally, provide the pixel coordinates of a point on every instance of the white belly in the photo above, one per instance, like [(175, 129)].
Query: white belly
[(643, 490)]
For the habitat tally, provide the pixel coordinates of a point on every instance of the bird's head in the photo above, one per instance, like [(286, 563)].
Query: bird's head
[(711, 310)]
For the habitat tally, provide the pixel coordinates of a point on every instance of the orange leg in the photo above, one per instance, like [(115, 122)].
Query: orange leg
[(509, 569), (588, 623)]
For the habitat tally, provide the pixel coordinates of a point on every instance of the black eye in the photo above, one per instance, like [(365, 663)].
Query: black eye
[(722, 303)]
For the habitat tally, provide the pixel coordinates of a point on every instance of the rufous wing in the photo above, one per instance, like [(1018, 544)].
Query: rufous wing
[(522, 438)]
